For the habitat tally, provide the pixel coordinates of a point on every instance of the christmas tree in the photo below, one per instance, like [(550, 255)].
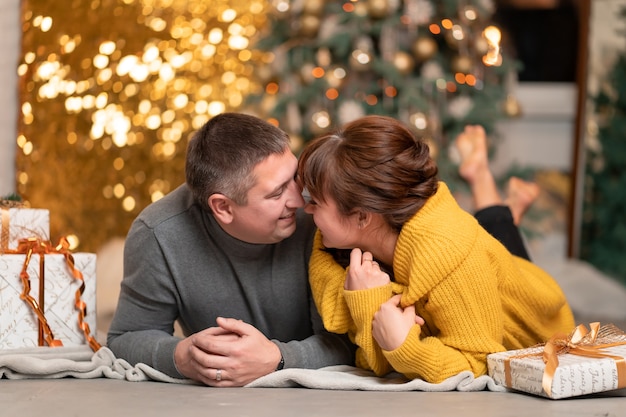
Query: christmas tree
[(435, 65), (603, 232)]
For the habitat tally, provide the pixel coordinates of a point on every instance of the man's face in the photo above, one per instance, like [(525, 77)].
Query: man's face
[(270, 214)]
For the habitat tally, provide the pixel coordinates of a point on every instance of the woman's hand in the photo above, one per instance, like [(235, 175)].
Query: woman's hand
[(364, 272), (392, 323)]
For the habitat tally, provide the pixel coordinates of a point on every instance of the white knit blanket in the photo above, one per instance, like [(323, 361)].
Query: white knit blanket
[(81, 362)]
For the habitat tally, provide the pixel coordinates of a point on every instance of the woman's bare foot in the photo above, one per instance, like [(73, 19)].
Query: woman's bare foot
[(474, 167), (521, 195), (472, 146)]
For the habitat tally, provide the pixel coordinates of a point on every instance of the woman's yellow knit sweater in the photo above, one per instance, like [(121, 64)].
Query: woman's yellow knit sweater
[(475, 297)]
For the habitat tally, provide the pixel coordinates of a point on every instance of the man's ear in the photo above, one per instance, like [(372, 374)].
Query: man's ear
[(222, 209)]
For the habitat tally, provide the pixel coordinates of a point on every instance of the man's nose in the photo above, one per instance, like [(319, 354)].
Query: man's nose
[(295, 195)]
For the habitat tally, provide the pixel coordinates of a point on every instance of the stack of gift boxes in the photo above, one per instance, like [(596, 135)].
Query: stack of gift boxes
[(47, 293)]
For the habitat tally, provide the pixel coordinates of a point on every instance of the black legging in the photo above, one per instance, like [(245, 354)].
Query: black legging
[(498, 221)]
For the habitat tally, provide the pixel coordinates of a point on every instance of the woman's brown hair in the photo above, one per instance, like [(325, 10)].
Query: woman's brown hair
[(374, 164)]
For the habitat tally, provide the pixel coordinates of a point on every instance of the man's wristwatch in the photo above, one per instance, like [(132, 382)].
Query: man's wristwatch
[(281, 364)]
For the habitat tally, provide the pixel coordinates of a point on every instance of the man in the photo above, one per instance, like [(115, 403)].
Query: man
[(226, 254)]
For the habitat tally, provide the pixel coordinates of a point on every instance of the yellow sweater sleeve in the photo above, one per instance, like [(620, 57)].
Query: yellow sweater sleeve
[(363, 304), (344, 311), (327, 279)]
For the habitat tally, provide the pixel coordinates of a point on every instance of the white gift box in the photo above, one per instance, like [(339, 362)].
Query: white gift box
[(22, 223), (19, 324), (575, 375)]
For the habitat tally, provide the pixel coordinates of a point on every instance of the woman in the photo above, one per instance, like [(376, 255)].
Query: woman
[(428, 292)]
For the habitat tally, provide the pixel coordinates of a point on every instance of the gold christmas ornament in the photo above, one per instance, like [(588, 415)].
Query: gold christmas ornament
[(335, 77), (481, 45), (323, 57), (377, 9), (403, 62), (433, 147), (296, 143), (462, 63), (360, 9), (470, 13), (313, 7), (264, 73), (309, 25), (306, 73), (360, 60), (419, 121), (424, 48), (320, 121), (268, 103), (512, 106)]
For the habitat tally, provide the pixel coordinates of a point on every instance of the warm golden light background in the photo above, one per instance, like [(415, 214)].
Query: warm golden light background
[(111, 91)]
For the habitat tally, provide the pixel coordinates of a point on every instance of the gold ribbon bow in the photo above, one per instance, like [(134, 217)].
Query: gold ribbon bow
[(582, 342), (32, 246)]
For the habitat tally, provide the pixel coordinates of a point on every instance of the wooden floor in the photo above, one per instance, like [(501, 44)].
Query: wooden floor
[(107, 397)]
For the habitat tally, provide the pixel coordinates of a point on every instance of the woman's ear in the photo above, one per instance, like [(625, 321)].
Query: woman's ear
[(364, 219), (222, 209)]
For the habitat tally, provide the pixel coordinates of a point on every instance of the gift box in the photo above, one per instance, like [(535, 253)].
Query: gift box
[(18, 223), (65, 292), (585, 362)]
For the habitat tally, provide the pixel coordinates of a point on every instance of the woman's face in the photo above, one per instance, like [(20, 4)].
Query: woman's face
[(338, 231)]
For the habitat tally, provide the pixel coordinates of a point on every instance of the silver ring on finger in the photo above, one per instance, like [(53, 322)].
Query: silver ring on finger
[(218, 375)]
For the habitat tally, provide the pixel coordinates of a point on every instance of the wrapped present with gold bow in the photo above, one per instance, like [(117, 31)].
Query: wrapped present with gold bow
[(47, 296), (585, 362), (18, 222)]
